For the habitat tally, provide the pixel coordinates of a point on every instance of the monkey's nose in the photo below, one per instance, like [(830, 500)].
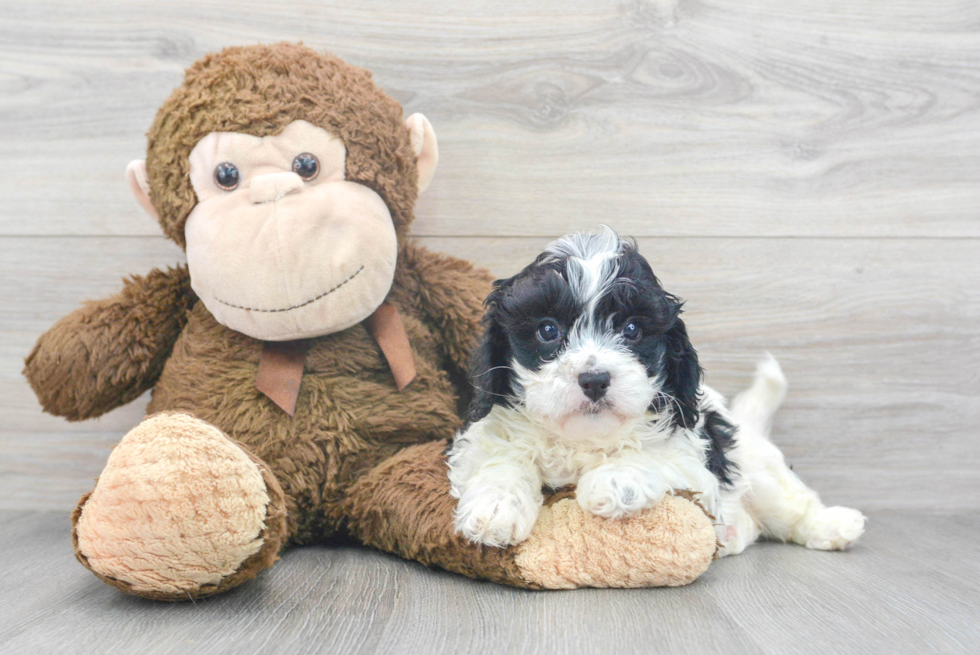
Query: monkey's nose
[(594, 384), (272, 186)]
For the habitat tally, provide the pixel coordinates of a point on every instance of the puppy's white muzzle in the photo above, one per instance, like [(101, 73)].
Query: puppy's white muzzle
[(589, 389)]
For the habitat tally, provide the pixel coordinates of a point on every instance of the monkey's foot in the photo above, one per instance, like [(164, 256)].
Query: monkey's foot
[(670, 544), (181, 511), (404, 506)]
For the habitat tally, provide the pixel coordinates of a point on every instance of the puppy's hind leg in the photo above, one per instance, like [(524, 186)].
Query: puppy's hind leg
[(784, 507)]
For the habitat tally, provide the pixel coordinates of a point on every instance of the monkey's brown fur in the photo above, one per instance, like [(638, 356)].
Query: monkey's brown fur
[(345, 462)]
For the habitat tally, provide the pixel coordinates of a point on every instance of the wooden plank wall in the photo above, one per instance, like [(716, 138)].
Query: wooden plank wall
[(806, 175)]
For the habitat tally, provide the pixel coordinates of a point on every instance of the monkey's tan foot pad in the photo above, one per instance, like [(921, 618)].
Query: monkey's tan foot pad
[(181, 511), (668, 545)]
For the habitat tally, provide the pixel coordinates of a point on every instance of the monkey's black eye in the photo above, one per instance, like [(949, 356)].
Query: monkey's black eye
[(226, 176), (548, 331), (632, 331), (306, 166)]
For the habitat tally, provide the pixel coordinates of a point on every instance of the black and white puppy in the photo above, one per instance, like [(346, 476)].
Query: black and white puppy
[(586, 376)]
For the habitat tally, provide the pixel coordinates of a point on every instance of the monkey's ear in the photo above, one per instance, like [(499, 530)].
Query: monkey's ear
[(139, 185), (425, 146)]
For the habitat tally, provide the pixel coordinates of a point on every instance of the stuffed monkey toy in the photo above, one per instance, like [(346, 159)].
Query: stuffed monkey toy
[(308, 362)]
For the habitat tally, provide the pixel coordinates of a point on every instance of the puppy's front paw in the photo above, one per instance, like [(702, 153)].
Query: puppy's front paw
[(495, 517), (835, 528), (615, 492)]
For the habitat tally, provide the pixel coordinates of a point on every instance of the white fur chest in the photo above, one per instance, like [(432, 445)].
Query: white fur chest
[(560, 464), (559, 459)]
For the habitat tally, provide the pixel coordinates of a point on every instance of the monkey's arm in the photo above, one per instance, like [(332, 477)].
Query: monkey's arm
[(108, 352), (451, 292)]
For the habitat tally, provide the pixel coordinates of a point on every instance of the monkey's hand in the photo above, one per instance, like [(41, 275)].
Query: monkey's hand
[(110, 351)]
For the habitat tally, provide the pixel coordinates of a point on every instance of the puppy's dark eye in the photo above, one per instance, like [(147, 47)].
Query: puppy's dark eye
[(548, 331), (632, 331), (226, 176), (306, 166)]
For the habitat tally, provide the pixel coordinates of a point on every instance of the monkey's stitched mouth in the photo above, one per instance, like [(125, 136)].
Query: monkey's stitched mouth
[(302, 304)]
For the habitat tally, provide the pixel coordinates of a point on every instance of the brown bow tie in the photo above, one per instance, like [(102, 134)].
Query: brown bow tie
[(281, 362)]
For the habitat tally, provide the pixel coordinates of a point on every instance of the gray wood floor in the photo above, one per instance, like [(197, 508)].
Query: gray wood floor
[(912, 586), (806, 175)]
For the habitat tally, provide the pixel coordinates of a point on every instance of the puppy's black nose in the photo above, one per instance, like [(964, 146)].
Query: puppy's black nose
[(594, 384)]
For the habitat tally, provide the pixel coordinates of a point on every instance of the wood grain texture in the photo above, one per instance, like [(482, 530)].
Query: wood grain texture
[(879, 340), (806, 176), (665, 117), (909, 587)]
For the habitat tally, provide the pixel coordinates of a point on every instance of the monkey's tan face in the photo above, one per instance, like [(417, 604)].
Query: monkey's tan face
[(280, 246)]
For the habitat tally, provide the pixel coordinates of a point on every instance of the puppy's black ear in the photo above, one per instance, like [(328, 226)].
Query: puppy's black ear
[(489, 365), (683, 373)]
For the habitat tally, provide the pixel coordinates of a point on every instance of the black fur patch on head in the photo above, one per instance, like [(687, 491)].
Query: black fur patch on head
[(720, 437), (637, 296), (515, 310)]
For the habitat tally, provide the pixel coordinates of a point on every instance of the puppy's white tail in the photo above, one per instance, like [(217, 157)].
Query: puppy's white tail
[(756, 405)]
